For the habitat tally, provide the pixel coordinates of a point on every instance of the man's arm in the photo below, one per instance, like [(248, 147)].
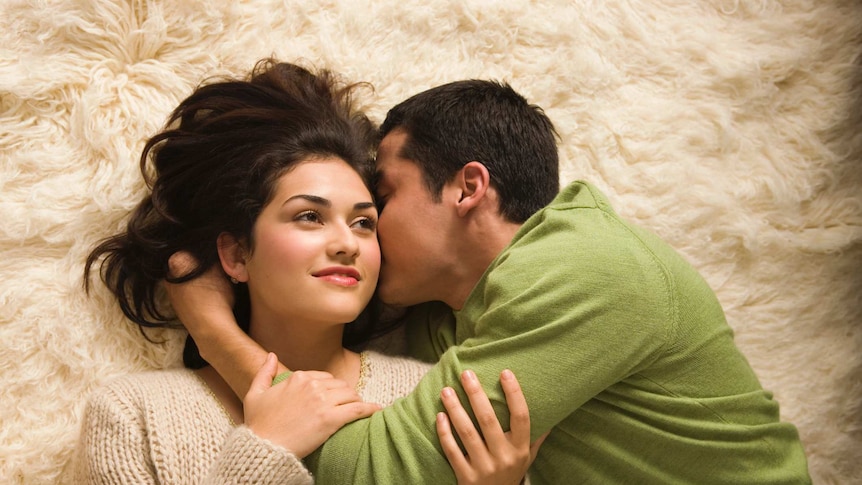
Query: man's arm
[(566, 338), (569, 321), (429, 330), (204, 306)]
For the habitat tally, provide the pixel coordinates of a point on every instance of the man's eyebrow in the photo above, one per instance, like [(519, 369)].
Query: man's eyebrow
[(376, 177), (314, 199)]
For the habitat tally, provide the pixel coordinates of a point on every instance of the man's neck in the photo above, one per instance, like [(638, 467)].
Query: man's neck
[(487, 242)]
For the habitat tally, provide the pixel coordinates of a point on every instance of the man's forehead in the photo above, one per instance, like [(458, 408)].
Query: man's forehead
[(392, 144), (386, 165), (391, 164)]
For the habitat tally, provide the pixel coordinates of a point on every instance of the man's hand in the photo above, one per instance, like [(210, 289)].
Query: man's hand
[(210, 294), (205, 307)]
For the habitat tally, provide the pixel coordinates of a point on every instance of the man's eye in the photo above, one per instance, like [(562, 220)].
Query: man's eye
[(380, 202)]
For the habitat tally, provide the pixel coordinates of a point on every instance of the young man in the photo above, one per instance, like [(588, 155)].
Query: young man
[(621, 348)]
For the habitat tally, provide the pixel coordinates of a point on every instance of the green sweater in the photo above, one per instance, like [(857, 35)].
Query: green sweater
[(620, 347)]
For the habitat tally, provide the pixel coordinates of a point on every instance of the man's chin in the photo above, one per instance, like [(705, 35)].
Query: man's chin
[(390, 297)]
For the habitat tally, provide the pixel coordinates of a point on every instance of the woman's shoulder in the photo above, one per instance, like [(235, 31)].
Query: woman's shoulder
[(166, 419), (385, 361), (139, 390), (147, 380), (388, 377)]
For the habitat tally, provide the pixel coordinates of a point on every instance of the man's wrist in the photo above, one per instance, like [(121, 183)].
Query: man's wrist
[(212, 331)]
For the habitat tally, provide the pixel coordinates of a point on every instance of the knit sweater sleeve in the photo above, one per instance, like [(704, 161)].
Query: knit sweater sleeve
[(113, 446), (162, 427), (247, 458)]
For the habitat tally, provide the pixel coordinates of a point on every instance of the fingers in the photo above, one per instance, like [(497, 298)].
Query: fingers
[(492, 456), (519, 413), (336, 395), (450, 447), (315, 381), (301, 412), (263, 379), (485, 415), (181, 263), (347, 413), (473, 442), (318, 386), (534, 447), (196, 299), (489, 424)]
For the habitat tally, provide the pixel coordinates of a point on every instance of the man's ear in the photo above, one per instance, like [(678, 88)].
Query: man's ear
[(473, 180), (232, 255)]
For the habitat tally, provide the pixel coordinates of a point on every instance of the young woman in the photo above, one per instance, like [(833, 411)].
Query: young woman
[(268, 180)]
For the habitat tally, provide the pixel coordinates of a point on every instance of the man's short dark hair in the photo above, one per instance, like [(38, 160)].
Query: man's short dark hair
[(485, 121)]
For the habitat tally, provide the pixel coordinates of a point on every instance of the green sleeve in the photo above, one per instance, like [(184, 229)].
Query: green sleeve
[(430, 329), (568, 319), (395, 445)]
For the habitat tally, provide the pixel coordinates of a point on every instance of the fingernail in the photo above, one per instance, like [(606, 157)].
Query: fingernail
[(507, 374), (469, 375), (448, 392)]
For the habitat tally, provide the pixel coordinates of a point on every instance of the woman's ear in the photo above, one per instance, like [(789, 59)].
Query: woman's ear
[(473, 180), (232, 255)]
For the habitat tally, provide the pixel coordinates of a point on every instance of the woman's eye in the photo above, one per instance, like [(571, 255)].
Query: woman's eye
[(366, 223), (308, 216)]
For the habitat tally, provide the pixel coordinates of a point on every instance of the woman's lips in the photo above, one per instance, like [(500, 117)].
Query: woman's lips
[(341, 275)]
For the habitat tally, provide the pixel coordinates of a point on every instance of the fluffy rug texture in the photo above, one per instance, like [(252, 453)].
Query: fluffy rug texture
[(729, 127)]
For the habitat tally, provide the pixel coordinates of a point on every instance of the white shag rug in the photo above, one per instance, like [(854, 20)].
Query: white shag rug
[(732, 128)]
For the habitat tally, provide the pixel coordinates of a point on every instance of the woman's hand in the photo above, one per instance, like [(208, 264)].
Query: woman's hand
[(499, 458), (303, 411)]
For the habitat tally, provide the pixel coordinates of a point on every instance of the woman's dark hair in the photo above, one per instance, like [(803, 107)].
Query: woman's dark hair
[(214, 168)]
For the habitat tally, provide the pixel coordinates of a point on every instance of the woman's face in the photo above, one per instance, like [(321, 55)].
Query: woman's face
[(315, 254)]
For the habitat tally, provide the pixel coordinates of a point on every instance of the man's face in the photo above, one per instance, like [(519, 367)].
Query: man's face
[(414, 231)]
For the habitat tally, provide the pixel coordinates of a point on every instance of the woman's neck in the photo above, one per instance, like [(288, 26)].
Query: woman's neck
[(298, 347), (308, 346)]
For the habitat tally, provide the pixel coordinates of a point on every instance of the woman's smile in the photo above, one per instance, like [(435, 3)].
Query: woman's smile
[(339, 275)]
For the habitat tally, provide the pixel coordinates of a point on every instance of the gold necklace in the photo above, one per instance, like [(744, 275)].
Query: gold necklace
[(363, 372)]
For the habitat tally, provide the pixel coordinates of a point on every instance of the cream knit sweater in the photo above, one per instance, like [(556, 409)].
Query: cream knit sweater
[(167, 427)]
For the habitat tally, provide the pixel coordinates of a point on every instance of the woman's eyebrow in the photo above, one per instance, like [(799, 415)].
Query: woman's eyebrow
[(315, 199)]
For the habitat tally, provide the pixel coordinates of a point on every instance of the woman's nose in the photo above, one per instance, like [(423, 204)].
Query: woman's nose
[(343, 242)]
